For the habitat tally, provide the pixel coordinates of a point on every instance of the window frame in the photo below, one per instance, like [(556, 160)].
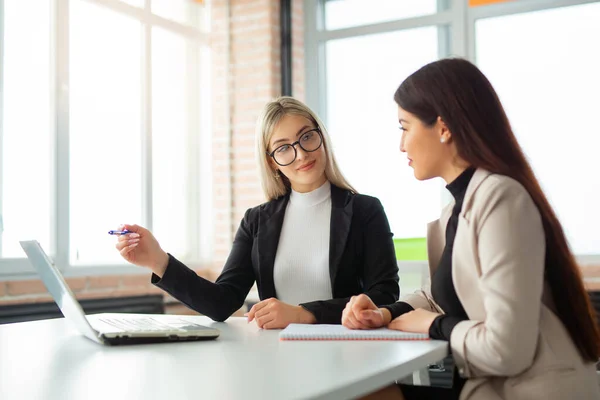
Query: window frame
[(197, 46), (457, 39)]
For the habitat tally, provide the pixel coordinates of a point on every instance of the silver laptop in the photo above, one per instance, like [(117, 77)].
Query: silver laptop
[(112, 328)]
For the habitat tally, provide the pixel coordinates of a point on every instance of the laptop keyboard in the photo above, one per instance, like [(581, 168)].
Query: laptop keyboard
[(148, 325)]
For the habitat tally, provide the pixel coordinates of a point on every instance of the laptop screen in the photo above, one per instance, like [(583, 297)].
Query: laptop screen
[(56, 285)]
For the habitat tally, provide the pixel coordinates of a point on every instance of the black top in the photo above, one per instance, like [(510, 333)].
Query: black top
[(442, 285), (361, 260)]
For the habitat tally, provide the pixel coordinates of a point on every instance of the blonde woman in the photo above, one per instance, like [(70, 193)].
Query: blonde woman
[(312, 246)]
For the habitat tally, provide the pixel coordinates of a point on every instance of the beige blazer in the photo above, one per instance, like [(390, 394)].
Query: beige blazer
[(513, 346)]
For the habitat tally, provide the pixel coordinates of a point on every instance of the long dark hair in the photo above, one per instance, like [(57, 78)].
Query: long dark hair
[(459, 93)]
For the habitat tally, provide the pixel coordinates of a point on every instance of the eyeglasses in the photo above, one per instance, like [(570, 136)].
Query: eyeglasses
[(286, 154)]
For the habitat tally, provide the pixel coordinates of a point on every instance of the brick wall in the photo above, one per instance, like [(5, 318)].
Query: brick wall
[(246, 74), (254, 79)]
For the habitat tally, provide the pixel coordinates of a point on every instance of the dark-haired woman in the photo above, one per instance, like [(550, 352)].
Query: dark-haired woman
[(505, 289)]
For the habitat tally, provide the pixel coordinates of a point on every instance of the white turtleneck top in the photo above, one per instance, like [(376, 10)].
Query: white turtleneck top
[(301, 271)]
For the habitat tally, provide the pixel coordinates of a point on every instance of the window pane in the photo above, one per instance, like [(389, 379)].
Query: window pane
[(188, 12), (27, 173), (348, 13), (137, 3), (550, 88), (105, 101), (170, 155), (363, 122)]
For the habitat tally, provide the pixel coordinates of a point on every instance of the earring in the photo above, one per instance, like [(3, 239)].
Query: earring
[(276, 175), (442, 140)]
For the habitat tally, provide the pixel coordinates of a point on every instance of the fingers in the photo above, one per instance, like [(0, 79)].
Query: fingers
[(362, 302), (261, 321), (371, 318), (127, 249), (132, 228), (354, 323), (399, 323), (124, 241), (258, 306), (274, 324), (350, 318), (262, 312)]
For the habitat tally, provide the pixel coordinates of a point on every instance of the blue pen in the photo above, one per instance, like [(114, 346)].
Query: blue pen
[(119, 232)]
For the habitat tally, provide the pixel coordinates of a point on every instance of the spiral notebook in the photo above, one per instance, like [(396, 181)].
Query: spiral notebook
[(339, 332)]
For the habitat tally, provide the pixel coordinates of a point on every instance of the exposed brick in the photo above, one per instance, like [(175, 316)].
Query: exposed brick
[(40, 298), (590, 271), (591, 285), (77, 284), (129, 281), (2, 289), (101, 282), (18, 288), (179, 309)]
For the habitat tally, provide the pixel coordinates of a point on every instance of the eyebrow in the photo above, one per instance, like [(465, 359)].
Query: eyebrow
[(297, 134), (403, 121)]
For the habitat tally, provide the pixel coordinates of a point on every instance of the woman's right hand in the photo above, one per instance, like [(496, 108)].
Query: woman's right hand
[(362, 313), (140, 247)]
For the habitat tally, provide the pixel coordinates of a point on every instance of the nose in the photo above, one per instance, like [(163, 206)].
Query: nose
[(402, 148), (300, 153)]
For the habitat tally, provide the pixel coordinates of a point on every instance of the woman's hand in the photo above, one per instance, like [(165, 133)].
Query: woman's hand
[(274, 314), (141, 248), (417, 321), (362, 313)]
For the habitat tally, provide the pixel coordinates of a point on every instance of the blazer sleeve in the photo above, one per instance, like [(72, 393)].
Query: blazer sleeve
[(380, 269), (222, 298), (511, 248), (421, 298)]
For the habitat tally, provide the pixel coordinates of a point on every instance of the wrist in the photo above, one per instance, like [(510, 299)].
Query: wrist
[(387, 315), (306, 317), (160, 266)]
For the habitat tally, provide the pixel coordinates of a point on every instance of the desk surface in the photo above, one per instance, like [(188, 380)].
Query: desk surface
[(49, 360)]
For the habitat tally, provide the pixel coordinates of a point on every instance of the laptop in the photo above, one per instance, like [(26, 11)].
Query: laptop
[(112, 329)]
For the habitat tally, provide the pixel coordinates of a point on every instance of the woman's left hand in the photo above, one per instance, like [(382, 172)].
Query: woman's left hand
[(417, 321), (274, 314)]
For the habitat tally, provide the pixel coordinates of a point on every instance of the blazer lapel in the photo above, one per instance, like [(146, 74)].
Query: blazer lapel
[(341, 217), (436, 230), (436, 238), (269, 231), (478, 177)]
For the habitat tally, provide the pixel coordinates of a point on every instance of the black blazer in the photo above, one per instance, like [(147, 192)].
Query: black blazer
[(361, 260)]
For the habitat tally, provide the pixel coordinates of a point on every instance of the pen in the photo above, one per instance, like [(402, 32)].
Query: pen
[(119, 232)]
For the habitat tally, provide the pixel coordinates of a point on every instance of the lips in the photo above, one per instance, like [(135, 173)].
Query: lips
[(306, 166)]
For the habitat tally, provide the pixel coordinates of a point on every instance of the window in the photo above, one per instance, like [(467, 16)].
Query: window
[(101, 124), (105, 128), (546, 77), (26, 130), (359, 68), (551, 98), (348, 13), (363, 123)]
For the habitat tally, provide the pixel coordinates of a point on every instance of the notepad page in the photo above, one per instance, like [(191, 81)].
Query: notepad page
[(339, 332)]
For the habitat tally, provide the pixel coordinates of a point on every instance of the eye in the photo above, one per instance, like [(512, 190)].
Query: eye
[(283, 149), (308, 135), (402, 129)]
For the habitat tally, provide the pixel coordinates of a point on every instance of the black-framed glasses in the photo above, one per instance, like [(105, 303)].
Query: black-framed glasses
[(286, 153)]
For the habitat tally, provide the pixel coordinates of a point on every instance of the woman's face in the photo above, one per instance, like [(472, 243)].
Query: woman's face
[(423, 145), (307, 171)]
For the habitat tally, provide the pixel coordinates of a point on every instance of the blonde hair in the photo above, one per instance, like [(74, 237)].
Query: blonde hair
[(272, 113)]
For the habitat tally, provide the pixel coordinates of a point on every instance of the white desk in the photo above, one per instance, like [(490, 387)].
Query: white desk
[(49, 360)]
